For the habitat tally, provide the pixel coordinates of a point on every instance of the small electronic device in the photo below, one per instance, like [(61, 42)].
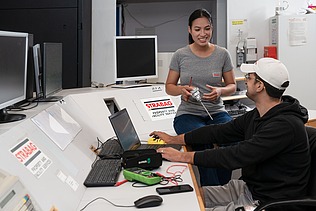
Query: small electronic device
[(155, 140), (148, 201), (141, 175), (174, 189), (143, 158), (197, 96), (14, 195)]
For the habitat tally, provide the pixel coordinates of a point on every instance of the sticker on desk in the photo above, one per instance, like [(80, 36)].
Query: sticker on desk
[(160, 108), (28, 154), (68, 180)]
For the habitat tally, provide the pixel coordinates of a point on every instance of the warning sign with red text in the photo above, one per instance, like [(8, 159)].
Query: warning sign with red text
[(29, 155), (160, 108)]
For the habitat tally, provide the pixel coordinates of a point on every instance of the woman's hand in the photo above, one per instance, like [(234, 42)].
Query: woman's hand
[(215, 93), (186, 92)]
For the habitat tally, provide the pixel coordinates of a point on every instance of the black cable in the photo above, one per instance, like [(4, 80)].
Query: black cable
[(175, 180), (107, 201), (141, 185), (111, 156), (22, 107)]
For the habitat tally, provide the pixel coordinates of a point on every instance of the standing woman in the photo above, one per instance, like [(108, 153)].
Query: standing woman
[(208, 67)]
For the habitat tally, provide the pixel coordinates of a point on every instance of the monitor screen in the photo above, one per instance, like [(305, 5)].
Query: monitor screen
[(52, 68), (37, 57), (13, 71), (136, 58), (48, 71)]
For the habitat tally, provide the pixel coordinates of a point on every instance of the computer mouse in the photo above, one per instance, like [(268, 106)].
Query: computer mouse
[(155, 140), (148, 201)]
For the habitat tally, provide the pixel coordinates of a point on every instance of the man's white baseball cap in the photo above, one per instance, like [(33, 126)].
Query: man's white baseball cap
[(270, 70)]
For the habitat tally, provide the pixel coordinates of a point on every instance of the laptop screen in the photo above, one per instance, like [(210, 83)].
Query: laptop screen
[(124, 129)]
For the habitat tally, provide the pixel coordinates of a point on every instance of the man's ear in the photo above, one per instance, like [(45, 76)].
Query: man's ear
[(260, 86)]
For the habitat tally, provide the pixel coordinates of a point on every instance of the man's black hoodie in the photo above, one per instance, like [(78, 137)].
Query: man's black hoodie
[(271, 150)]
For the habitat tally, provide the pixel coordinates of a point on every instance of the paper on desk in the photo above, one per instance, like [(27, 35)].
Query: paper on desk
[(58, 125), (158, 108)]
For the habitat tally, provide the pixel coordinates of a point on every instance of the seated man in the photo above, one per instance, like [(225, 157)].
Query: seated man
[(272, 148)]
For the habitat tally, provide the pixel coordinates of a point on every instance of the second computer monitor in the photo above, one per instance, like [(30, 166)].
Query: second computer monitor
[(48, 71), (135, 59), (52, 68)]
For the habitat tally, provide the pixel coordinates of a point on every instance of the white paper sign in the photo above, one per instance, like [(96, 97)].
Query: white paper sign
[(298, 31), (160, 108), (28, 154)]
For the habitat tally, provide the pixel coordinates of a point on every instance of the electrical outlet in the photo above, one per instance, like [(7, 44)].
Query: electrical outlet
[(93, 149)]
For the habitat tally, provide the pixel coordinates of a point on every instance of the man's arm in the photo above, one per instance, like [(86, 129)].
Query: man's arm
[(174, 155)]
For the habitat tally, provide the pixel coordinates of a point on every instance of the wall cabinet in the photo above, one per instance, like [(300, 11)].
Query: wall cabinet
[(67, 22)]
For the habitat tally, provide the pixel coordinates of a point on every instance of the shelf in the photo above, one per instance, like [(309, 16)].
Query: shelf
[(240, 78), (234, 97), (238, 95)]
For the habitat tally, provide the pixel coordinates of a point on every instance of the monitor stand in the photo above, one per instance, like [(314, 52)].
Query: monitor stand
[(49, 99), (5, 117), (130, 84)]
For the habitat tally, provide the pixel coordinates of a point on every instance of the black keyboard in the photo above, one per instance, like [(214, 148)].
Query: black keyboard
[(111, 149), (104, 173), (237, 112)]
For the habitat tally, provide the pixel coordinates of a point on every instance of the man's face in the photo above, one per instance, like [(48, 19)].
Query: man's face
[(251, 82)]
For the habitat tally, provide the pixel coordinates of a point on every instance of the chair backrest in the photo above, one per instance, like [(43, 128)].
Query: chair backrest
[(311, 132)]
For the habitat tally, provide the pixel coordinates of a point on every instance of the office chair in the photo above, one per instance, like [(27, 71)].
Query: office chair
[(310, 199)]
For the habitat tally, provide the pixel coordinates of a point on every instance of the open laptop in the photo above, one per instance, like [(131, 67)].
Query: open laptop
[(127, 135)]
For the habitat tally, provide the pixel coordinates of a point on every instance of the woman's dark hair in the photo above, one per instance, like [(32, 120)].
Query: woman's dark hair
[(199, 13)]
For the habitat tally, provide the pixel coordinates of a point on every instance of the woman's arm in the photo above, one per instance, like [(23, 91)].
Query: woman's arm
[(228, 89), (172, 87)]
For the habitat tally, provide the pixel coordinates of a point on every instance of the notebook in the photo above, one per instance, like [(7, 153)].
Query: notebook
[(127, 135)]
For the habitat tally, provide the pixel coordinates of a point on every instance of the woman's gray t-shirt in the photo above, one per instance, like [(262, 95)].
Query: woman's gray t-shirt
[(203, 71)]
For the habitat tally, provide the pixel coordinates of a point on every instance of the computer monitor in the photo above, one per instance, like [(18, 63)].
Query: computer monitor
[(48, 71), (38, 70), (13, 72), (135, 59)]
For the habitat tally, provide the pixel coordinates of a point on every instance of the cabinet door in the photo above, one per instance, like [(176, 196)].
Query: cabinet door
[(28, 4), (49, 25)]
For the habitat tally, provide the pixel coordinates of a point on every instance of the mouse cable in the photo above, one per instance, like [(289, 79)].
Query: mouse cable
[(137, 184), (105, 200)]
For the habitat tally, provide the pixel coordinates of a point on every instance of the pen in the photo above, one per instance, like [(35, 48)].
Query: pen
[(190, 83), (121, 182)]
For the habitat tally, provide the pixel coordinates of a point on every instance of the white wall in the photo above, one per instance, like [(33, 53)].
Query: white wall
[(103, 32), (169, 20), (257, 14), (173, 35)]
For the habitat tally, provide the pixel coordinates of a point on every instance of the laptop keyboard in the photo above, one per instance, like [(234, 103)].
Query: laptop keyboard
[(150, 146), (157, 146), (111, 149), (104, 173)]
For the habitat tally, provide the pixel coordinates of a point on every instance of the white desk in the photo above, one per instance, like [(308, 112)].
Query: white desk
[(126, 195), (61, 184)]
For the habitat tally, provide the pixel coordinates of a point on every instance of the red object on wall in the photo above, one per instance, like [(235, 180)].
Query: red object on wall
[(270, 51)]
